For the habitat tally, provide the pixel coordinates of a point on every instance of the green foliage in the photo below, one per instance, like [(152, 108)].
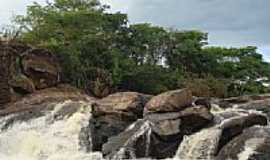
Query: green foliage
[(152, 79), (101, 53), (207, 86)]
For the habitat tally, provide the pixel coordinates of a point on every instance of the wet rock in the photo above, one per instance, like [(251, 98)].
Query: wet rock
[(203, 102), (207, 143), (113, 114), (132, 143), (253, 143), (42, 67), (157, 135), (171, 101), (234, 101), (258, 105), (235, 126)]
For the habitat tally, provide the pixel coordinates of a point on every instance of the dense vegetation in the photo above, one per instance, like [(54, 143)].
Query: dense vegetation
[(102, 53)]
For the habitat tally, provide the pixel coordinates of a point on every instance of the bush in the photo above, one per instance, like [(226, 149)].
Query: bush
[(206, 87)]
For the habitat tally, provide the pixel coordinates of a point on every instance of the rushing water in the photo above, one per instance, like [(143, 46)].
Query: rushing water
[(45, 137), (55, 135), (203, 145)]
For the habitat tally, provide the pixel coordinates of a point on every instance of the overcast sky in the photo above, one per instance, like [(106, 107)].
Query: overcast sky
[(228, 22)]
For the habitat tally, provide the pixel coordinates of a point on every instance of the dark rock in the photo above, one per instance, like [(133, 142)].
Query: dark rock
[(42, 67), (158, 135), (230, 102), (203, 102), (131, 144), (7, 68), (259, 105), (114, 113), (171, 101), (253, 143), (206, 143), (235, 126)]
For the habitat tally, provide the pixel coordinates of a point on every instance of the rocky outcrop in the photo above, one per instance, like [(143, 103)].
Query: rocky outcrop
[(114, 113), (7, 59), (24, 70), (171, 101), (42, 67), (63, 122), (43, 98), (157, 135)]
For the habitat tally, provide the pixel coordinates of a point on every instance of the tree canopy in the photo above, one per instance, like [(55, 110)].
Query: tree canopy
[(101, 52)]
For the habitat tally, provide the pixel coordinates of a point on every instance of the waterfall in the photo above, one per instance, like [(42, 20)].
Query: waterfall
[(204, 144), (201, 145), (52, 136)]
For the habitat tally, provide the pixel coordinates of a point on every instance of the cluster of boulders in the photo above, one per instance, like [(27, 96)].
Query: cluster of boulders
[(130, 125), (164, 120), (24, 69)]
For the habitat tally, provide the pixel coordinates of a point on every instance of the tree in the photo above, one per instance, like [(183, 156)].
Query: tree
[(82, 34)]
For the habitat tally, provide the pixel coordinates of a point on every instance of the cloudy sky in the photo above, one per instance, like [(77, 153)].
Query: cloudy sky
[(228, 22)]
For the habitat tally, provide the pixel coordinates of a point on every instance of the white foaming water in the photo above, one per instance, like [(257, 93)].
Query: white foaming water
[(44, 138), (201, 145), (250, 148), (204, 144), (145, 128)]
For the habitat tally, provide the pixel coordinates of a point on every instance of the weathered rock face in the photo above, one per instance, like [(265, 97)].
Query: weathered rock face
[(7, 59), (114, 113), (171, 101), (129, 104), (41, 66), (23, 70)]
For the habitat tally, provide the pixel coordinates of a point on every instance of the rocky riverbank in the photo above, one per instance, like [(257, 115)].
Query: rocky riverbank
[(63, 123), (42, 119)]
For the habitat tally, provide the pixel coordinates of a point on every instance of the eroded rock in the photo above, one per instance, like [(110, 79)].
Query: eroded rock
[(171, 101), (42, 67)]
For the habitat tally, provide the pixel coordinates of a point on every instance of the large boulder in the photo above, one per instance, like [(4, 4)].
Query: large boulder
[(114, 113), (157, 135), (42, 67), (130, 104), (171, 101)]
